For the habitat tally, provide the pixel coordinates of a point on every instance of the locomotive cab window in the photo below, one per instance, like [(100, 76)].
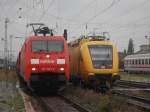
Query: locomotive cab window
[(47, 46), (101, 56), (55, 46)]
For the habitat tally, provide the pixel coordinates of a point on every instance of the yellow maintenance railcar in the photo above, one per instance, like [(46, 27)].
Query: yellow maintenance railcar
[(94, 62)]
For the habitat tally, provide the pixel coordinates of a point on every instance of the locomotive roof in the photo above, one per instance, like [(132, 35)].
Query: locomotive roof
[(86, 40), (45, 38), (137, 56)]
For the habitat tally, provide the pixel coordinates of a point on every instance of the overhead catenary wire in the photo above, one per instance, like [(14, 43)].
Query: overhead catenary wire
[(16, 3), (12, 6), (57, 17), (66, 18), (126, 12), (141, 19), (129, 10), (84, 8), (104, 10), (99, 13), (44, 13), (2, 6)]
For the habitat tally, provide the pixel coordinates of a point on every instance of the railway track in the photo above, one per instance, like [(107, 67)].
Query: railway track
[(133, 86), (60, 103), (125, 88), (55, 103), (76, 105), (137, 101)]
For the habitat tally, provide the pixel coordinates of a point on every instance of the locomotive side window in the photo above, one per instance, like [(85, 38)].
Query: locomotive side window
[(133, 62), (139, 61), (146, 61), (47, 46), (136, 61), (142, 61)]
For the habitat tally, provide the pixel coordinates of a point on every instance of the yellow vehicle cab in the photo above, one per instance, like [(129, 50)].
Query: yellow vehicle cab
[(94, 61)]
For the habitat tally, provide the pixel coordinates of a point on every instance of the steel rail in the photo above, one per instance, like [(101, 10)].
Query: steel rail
[(74, 104), (134, 83), (43, 104), (137, 101), (42, 101)]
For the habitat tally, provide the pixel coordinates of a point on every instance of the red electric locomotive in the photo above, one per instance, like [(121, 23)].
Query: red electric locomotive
[(43, 61)]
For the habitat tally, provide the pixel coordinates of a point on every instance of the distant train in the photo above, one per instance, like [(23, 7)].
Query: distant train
[(93, 62), (43, 62), (137, 63)]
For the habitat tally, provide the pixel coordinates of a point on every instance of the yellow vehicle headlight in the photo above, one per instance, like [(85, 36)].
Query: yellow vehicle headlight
[(115, 73), (90, 73)]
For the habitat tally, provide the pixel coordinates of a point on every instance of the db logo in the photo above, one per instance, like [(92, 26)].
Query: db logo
[(47, 61)]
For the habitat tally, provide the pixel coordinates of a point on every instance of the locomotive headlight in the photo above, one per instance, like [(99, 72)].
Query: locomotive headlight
[(47, 56), (33, 69), (62, 69)]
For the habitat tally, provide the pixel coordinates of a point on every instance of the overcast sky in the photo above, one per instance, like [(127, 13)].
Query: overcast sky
[(123, 19)]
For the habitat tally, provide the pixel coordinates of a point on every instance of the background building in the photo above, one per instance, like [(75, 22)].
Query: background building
[(144, 49)]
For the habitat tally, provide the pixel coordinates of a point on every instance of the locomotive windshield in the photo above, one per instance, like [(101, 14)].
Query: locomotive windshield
[(101, 56), (47, 46)]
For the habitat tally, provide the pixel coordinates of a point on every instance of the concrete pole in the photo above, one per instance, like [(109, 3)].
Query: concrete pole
[(6, 46), (6, 52), (10, 51)]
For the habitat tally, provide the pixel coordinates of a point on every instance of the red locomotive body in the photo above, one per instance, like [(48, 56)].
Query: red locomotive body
[(44, 62)]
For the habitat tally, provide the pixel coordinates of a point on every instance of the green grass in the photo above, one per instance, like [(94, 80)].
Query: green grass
[(16, 103), (11, 99), (8, 76), (100, 103), (11, 102), (135, 77), (146, 76)]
